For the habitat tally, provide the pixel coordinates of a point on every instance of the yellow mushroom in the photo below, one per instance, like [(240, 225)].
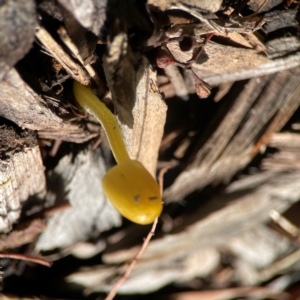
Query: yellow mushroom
[(129, 186)]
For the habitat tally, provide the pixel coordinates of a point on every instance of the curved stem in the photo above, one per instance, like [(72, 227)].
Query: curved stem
[(91, 103)]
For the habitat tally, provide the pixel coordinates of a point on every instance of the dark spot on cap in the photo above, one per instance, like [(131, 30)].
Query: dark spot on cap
[(153, 198), (137, 198)]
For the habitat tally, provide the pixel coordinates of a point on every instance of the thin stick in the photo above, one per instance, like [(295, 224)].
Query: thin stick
[(26, 258), (116, 286), (162, 173)]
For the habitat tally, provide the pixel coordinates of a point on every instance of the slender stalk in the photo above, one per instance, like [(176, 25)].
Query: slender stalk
[(91, 103)]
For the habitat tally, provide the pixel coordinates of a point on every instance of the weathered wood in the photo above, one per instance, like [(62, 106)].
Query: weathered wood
[(73, 68), (71, 133), (17, 20), (269, 67), (224, 222), (250, 38), (20, 104), (177, 81), (211, 6), (149, 114), (261, 109), (78, 179), (288, 156), (21, 174)]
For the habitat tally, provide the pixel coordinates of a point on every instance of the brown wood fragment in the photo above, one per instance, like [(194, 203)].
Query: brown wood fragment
[(23, 236), (69, 133), (282, 46), (263, 5), (17, 102), (230, 59), (288, 156), (291, 229), (73, 68), (223, 90), (237, 38), (79, 56), (280, 266), (149, 114), (265, 68), (83, 39), (26, 258)]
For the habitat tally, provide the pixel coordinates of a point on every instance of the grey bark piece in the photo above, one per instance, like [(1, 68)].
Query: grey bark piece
[(17, 24), (80, 178), (21, 176), (146, 278), (267, 247), (276, 20), (282, 46)]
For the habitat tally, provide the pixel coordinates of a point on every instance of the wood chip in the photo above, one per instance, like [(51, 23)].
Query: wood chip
[(17, 25), (73, 68), (17, 101), (149, 113)]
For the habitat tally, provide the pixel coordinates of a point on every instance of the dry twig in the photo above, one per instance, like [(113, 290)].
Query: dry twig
[(26, 258)]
